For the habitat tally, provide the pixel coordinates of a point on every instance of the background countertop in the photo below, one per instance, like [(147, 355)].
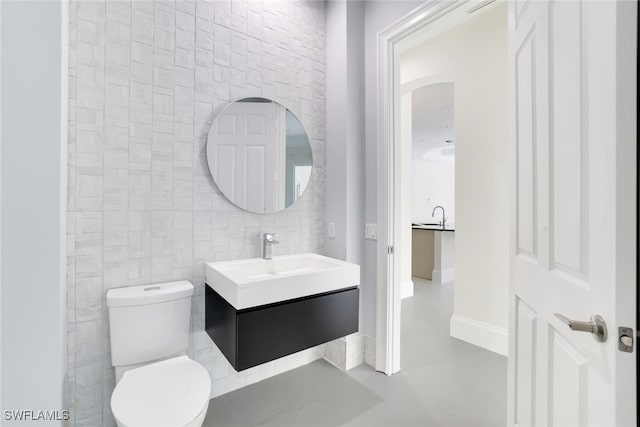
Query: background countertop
[(434, 227)]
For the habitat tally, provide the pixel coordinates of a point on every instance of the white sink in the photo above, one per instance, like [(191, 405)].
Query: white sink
[(253, 282)]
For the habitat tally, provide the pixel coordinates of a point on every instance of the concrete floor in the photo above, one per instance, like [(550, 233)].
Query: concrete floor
[(443, 382)]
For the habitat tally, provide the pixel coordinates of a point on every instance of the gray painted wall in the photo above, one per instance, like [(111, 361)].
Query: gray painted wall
[(355, 148), (352, 124), (345, 128), (378, 15), (33, 204), (337, 127), (345, 132)]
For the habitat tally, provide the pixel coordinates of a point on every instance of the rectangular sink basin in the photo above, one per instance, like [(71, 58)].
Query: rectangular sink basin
[(254, 282)]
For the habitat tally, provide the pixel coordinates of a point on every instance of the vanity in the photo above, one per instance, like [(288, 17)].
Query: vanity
[(432, 252), (261, 309), (258, 310)]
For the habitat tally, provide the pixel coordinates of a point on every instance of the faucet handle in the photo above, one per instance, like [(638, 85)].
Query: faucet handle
[(270, 237)]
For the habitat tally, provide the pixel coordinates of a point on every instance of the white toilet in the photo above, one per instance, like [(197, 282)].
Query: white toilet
[(156, 384)]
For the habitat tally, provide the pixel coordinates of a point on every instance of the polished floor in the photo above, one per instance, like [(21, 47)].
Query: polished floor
[(443, 382)]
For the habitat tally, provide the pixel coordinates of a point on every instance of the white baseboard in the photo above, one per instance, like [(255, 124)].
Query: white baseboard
[(443, 276), (406, 289), (479, 333)]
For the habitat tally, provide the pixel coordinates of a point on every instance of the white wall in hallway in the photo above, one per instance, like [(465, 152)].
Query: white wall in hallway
[(474, 56), (433, 184)]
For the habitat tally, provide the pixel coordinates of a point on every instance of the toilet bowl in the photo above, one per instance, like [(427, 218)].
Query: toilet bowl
[(170, 393), (156, 385)]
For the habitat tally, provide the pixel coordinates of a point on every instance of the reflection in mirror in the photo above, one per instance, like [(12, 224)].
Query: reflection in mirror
[(259, 155)]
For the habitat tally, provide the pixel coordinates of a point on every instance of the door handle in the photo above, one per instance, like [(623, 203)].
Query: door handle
[(596, 326)]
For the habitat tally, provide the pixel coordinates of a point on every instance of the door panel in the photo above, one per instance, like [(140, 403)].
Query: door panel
[(572, 192), (568, 383), (256, 161), (568, 141), (526, 146), (225, 161), (245, 157), (525, 365), (520, 6)]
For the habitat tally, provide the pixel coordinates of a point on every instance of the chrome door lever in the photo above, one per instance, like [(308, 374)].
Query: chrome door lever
[(596, 326)]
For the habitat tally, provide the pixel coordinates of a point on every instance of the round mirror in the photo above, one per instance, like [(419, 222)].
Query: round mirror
[(259, 155)]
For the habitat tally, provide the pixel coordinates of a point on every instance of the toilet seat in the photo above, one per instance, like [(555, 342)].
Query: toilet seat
[(171, 393)]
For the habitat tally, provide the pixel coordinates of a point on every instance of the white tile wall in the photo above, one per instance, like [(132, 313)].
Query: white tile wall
[(146, 78), (354, 351), (347, 352)]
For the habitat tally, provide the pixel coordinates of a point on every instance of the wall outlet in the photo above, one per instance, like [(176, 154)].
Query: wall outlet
[(371, 231), (331, 230)]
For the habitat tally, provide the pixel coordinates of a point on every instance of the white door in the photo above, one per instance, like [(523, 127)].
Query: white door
[(244, 155), (573, 227)]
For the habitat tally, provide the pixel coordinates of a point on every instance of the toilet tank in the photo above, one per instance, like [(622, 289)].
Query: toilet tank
[(149, 322)]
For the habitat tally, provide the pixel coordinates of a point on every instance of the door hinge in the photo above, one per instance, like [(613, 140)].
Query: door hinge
[(625, 339), (390, 250)]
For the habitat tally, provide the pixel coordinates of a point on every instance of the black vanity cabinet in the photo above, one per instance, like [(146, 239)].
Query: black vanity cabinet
[(257, 335)]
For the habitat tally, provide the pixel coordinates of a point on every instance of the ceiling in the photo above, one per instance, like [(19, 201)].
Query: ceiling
[(432, 121)]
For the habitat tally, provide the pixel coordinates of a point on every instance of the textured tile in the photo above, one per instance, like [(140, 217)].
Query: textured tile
[(146, 79)]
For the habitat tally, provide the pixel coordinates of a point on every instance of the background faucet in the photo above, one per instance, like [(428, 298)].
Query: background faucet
[(268, 240), (443, 217)]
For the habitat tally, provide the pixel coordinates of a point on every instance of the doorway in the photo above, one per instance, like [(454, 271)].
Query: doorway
[(431, 137), (572, 125), (464, 53)]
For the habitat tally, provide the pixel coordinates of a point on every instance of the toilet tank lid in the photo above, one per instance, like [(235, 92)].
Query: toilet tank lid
[(149, 294)]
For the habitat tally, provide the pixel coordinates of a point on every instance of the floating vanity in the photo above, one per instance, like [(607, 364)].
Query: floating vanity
[(258, 310), (432, 252)]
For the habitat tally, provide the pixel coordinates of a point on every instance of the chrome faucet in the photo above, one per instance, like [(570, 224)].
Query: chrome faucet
[(268, 240), (443, 217)]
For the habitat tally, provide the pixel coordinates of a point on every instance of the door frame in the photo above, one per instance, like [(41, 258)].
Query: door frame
[(389, 248)]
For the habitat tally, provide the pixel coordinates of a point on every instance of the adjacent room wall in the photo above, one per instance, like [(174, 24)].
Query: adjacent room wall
[(474, 54), (146, 79), (406, 167), (33, 154), (433, 184)]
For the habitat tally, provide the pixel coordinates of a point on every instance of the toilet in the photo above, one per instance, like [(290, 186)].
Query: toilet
[(157, 385)]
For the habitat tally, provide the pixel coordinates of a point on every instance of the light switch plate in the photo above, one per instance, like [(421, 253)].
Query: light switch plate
[(371, 231), (331, 230)]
